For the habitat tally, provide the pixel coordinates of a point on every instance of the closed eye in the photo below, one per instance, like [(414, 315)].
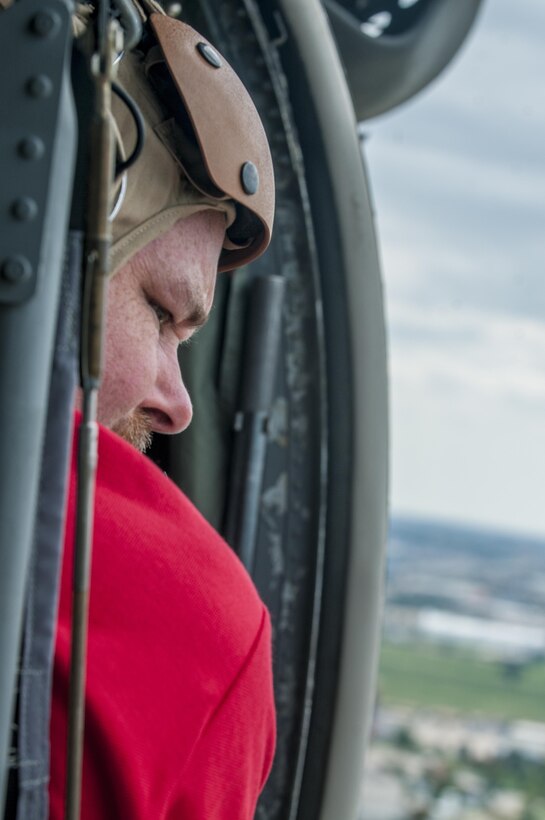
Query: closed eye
[(164, 316)]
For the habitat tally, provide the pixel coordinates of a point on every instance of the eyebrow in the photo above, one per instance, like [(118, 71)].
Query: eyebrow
[(198, 315), (195, 308)]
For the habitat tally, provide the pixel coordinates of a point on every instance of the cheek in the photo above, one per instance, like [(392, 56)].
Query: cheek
[(129, 363)]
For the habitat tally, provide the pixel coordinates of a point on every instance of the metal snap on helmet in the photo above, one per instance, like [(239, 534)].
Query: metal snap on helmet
[(205, 146)]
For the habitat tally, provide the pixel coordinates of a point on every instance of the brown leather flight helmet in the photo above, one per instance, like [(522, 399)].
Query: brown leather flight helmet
[(220, 141)]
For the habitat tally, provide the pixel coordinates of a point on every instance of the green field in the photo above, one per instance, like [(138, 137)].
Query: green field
[(421, 675)]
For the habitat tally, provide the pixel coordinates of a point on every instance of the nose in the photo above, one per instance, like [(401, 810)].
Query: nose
[(170, 407)]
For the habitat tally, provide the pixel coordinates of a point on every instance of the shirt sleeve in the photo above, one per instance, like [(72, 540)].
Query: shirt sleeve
[(232, 758)]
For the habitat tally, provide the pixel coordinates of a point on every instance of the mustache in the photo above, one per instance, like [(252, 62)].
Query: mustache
[(136, 429)]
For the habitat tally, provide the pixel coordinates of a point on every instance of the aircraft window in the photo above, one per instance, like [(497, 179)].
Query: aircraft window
[(458, 179)]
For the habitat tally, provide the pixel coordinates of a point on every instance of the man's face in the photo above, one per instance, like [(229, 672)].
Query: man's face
[(156, 302)]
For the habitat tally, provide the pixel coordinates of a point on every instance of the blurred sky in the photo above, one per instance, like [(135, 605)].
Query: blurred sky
[(458, 178)]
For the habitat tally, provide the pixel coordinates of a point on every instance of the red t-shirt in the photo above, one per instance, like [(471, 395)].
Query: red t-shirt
[(179, 706)]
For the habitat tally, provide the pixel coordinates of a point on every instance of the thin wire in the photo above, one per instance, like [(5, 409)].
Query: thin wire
[(120, 198), (125, 164)]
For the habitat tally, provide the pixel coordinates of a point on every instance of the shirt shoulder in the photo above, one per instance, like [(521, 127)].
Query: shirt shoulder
[(145, 523), (176, 629)]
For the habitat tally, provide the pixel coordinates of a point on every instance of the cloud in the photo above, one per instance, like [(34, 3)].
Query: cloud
[(468, 417), (458, 181), (476, 176), (458, 176), (460, 228), (470, 354)]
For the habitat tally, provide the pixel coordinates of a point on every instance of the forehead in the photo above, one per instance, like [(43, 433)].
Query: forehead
[(183, 261), (194, 241)]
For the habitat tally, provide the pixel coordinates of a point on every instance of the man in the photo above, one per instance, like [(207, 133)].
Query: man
[(179, 707)]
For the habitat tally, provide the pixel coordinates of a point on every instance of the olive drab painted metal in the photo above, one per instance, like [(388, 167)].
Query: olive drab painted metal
[(30, 110), (383, 72), (38, 139), (263, 335), (357, 420)]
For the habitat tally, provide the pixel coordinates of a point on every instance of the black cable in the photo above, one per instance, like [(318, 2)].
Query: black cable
[(124, 164)]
